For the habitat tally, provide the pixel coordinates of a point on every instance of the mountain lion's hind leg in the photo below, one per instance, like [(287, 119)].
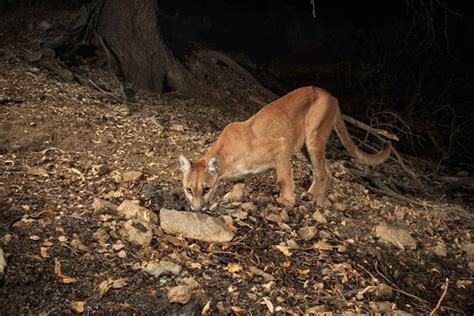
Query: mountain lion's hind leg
[(315, 143), (285, 176), (237, 193)]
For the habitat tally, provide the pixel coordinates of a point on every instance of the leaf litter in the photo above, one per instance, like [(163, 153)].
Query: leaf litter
[(65, 145)]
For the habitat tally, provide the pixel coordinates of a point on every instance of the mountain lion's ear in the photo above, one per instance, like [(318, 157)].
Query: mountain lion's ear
[(185, 163), (213, 165)]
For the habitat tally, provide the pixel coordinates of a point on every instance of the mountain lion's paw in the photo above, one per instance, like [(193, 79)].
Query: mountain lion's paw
[(286, 203)]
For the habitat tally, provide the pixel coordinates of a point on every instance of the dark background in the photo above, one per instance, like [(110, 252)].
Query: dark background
[(407, 64)]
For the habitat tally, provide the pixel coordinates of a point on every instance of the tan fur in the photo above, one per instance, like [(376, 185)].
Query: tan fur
[(301, 120)]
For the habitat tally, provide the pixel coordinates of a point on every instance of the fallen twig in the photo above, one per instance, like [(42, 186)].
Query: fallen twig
[(445, 290), (397, 155), (371, 130), (209, 55), (419, 299), (381, 187)]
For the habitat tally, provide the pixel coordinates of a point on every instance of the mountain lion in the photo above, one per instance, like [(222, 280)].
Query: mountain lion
[(303, 119)]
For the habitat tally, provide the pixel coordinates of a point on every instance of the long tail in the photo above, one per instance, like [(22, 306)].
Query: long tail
[(345, 137)]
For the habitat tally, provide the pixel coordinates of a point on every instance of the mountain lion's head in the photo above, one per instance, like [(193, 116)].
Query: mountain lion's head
[(199, 181)]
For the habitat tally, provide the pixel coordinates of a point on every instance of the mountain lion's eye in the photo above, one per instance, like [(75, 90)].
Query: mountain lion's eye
[(189, 190), (206, 190)]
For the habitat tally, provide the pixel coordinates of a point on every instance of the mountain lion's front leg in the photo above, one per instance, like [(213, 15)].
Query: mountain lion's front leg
[(237, 193)]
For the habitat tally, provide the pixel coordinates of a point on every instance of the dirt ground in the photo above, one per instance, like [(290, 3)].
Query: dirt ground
[(62, 144)]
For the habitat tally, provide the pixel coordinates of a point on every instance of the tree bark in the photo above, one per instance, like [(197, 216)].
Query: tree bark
[(131, 34)]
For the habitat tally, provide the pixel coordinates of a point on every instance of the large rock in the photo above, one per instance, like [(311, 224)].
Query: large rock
[(398, 237), (103, 205), (137, 232), (195, 225), (129, 210)]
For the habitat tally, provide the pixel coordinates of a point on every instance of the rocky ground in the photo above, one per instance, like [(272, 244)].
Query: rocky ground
[(90, 194)]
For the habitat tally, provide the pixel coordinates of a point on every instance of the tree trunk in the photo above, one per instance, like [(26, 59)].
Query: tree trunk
[(130, 31)]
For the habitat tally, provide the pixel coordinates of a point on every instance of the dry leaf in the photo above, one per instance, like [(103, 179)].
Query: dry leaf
[(234, 267), (76, 171), (236, 309), (104, 287), (269, 304), (206, 308), (196, 265), (67, 280), (303, 272), (77, 307), (57, 268), (119, 283), (284, 249)]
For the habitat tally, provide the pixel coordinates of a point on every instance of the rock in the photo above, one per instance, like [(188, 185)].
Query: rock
[(177, 128), (163, 267), (324, 234), (44, 26), (180, 294), (274, 218), (6, 239), (122, 254), (469, 249), (266, 276), (381, 307), (249, 207), (100, 170), (195, 225), (190, 281), (101, 235), (238, 214), (78, 245), (128, 209), (439, 249), (131, 176), (77, 307), (384, 291), (118, 245), (102, 205), (339, 206), (471, 266), (227, 220), (341, 249), (399, 215), (398, 237), (307, 233), (319, 218), (137, 232), (34, 57), (284, 215), (323, 203)]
